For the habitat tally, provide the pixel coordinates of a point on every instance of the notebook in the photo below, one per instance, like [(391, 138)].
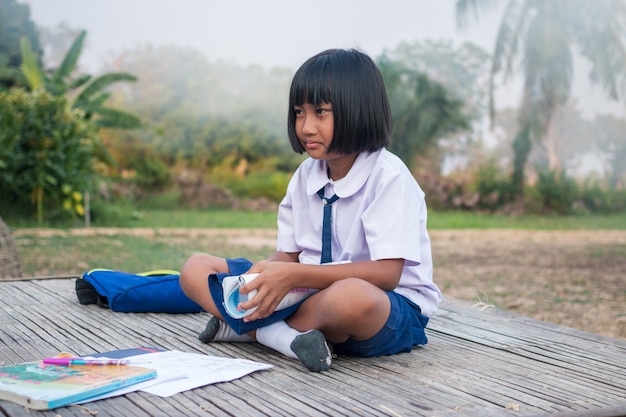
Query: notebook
[(41, 386)]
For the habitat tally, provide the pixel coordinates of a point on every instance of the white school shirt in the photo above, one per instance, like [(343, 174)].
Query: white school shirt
[(381, 214)]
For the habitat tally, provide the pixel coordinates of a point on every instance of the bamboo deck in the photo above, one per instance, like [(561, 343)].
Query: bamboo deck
[(479, 362)]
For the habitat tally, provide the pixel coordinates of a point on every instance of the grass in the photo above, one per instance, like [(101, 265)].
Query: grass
[(467, 220), (221, 218), (70, 255)]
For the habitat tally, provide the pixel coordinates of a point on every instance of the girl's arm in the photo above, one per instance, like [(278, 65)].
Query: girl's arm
[(283, 257), (277, 278), (384, 273)]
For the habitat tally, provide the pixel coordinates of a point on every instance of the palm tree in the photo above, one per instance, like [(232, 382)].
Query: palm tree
[(544, 35), (91, 98)]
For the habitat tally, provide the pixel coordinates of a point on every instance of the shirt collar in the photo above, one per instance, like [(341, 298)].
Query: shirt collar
[(351, 183)]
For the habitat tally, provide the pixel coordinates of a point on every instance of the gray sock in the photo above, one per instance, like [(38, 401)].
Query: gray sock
[(218, 331), (312, 350)]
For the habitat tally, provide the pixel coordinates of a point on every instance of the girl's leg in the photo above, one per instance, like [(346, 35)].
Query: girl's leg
[(350, 308), (309, 347), (194, 281), (335, 314)]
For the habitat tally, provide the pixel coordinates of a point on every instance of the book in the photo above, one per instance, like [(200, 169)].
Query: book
[(232, 297), (125, 353), (42, 386)]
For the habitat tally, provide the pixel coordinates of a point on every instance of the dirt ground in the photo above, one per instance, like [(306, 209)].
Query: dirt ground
[(572, 278)]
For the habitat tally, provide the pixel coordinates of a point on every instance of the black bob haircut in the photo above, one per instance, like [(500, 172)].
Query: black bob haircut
[(353, 84)]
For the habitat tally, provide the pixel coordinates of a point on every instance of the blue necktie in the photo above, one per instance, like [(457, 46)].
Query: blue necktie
[(326, 234)]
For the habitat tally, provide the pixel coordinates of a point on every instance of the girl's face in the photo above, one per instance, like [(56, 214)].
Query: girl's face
[(314, 127)]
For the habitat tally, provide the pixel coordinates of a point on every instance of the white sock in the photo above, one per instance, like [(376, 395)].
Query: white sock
[(279, 337), (226, 334)]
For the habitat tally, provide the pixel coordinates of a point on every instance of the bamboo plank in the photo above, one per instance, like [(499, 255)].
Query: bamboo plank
[(478, 362)]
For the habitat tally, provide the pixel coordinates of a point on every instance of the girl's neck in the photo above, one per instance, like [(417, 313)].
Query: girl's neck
[(339, 167)]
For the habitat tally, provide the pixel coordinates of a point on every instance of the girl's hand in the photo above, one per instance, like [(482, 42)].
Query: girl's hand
[(272, 285)]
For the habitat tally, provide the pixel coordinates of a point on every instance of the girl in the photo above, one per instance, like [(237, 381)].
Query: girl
[(353, 206)]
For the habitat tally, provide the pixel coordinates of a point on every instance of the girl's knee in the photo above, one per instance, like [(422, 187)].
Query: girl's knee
[(188, 270), (198, 267), (355, 296)]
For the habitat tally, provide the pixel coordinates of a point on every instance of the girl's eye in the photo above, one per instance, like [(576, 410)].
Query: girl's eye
[(297, 112), (321, 111)]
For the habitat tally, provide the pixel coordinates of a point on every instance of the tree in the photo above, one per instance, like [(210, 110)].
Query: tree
[(176, 79), (460, 69), (15, 23), (90, 93), (544, 35), (200, 113), (423, 110), (55, 42), (611, 141)]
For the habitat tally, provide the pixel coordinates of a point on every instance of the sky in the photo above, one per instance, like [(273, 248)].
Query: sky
[(281, 32), (268, 33)]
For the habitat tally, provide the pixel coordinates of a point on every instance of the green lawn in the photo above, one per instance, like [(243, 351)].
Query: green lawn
[(267, 219)]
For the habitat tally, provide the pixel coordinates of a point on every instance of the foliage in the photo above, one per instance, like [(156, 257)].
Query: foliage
[(91, 94), (150, 172), (423, 111), (460, 69), (493, 186), (544, 36), (228, 154), (557, 190), (55, 42), (15, 23), (47, 151), (182, 81), (270, 185), (595, 199)]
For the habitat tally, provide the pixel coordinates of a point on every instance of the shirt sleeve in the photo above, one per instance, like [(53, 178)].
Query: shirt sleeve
[(393, 221), (286, 241)]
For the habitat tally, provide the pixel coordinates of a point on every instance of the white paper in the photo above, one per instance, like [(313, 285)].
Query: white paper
[(181, 371), (200, 370)]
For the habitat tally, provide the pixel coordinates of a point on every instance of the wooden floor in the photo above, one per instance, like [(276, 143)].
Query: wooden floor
[(479, 362)]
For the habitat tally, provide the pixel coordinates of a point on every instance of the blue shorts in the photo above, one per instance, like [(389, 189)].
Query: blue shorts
[(404, 329), (240, 266)]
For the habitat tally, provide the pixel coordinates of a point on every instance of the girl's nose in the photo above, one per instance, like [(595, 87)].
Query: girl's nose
[(308, 125)]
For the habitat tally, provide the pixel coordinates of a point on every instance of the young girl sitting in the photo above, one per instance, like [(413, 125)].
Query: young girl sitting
[(351, 225)]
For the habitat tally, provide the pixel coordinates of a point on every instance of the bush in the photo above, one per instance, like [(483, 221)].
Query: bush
[(598, 200), (494, 186), (557, 190), (271, 185), (46, 153), (151, 173)]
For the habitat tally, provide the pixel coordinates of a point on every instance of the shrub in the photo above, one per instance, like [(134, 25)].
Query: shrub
[(598, 200), (271, 185), (47, 153), (493, 185), (557, 190)]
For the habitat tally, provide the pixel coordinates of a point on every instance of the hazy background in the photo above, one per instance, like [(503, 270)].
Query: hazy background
[(269, 33), (282, 33)]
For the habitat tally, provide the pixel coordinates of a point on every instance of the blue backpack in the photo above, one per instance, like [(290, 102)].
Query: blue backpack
[(148, 292)]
